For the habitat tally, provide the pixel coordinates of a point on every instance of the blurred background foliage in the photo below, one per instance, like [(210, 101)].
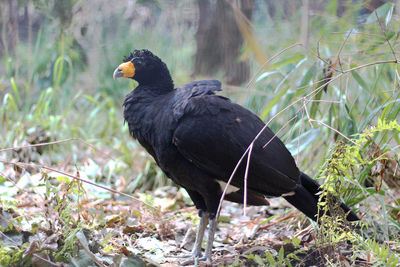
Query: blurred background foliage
[(320, 72), (57, 60)]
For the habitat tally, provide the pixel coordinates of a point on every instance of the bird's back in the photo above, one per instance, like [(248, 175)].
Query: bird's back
[(214, 133)]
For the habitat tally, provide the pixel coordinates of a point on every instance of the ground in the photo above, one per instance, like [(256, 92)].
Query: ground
[(58, 220)]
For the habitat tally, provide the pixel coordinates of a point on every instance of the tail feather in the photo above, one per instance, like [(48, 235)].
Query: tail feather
[(306, 199)]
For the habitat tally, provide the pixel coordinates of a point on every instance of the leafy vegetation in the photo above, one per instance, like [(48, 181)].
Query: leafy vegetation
[(334, 102)]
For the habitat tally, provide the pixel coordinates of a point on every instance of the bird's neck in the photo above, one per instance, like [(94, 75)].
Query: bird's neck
[(152, 90), (166, 81), (156, 84)]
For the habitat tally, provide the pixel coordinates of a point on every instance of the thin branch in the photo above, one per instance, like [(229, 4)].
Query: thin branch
[(230, 180), (276, 134), (58, 142), (252, 80), (37, 145), (358, 33), (333, 129), (21, 164), (342, 46), (290, 215), (246, 174), (318, 55), (90, 254), (384, 34), (397, 75), (324, 101), (332, 66), (45, 260), (308, 115), (8, 238), (371, 64)]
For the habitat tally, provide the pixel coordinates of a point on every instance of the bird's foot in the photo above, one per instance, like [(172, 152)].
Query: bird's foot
[(206, 260), (192, 255), (196, 260)]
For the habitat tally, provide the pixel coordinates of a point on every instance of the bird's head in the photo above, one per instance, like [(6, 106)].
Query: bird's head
[(144, 67)]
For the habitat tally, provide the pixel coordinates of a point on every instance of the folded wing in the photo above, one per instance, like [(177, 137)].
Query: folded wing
[(214, 133)]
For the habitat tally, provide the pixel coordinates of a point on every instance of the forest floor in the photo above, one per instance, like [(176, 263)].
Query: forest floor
[(51, 221)]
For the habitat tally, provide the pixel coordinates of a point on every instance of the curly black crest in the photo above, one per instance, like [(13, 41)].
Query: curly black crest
[(143, 53)]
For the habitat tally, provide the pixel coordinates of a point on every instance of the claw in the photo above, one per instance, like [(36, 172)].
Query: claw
[(196, 252), (205, 260), (191, 255)]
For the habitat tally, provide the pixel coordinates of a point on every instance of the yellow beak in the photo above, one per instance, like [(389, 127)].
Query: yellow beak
[(126, 70)]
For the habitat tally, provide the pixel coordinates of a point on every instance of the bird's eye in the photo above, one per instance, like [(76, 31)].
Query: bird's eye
[(137, 62)]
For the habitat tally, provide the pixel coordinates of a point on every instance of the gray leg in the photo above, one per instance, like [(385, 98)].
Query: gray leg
[(196, 252), (211, 232)]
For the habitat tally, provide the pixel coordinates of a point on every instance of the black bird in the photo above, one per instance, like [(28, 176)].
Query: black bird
[(197, 138)]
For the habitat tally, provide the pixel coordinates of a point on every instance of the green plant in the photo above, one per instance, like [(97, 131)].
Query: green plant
[(344, 175), (281, 259)]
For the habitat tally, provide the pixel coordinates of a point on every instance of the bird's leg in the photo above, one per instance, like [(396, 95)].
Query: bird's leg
[(210, 239), (196, 252)]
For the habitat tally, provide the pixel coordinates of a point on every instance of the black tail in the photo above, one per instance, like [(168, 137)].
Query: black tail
[(306, 199)]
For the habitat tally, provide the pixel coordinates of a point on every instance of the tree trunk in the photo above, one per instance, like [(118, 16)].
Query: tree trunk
[(219, 40), (207, 58), (10, 27)]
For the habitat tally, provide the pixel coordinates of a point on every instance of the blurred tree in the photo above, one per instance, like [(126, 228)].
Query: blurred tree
[(63, 9), (368, 6), (9, 26), (286, 8), (219, 40), (371, 5)]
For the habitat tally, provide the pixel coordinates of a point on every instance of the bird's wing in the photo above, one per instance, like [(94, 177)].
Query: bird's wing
[(202, 87), (198, 88), (213, 133)]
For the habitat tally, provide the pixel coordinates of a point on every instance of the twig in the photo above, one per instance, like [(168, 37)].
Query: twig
[(341, 48), (358, 33), (324, 101), (21, 164), (251, 82), (8, 238), (308, 115), (41, 144), (46, 260), (230, 180), (397, 75), (246, 173), (384, 34), (290, 215), (332, 66), (333, 129), (90, 254), (276, 134), (371, 64), (57, 142), (318, 55)]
